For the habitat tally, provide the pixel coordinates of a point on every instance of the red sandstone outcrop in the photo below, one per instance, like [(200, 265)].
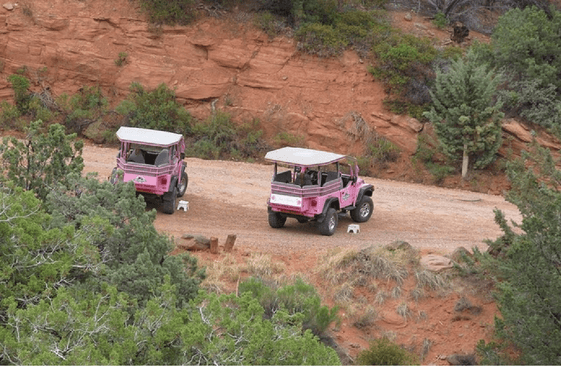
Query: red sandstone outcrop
[(333, 103)]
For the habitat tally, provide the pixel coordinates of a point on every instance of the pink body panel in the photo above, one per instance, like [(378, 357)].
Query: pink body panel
[(148, 178), (311, 198)]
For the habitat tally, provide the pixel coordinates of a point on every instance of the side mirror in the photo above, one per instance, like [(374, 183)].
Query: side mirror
[(354, 179), (182, 155)]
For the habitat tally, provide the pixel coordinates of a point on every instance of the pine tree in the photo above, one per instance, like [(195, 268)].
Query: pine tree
[(465, 115), (528, 262)]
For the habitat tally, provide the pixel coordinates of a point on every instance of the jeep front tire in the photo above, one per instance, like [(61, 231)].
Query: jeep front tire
[(328, 226), (363, 210), (182, 186)]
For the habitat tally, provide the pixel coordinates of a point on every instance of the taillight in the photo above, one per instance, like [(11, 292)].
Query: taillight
[(163, 181), (314, 203)]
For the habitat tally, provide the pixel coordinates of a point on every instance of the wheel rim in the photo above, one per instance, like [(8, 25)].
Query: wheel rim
[(332, 223), (364, 210)]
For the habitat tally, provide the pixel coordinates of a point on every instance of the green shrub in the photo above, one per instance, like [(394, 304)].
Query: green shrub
[(157, 110), (83, 108), (319, 39), (10, 113), (121, 60), (452, 53), (269, 23), (20, 84), (440, 20), (287, 139), (38, 111), (177, 12), (427, 151), (317, 11), (382, 151), (384, 352), (296, 298)]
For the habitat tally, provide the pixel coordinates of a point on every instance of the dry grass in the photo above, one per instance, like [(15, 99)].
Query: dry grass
[(381, 297), (361, 267), (396, 292), (431, 280), (261, 265), (224, 273), (425, 348), (221, 273), (366, 319), (344, 293), (404, 311), (417, 293)]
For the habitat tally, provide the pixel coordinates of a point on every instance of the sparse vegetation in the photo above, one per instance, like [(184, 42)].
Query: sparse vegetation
[(384, 352), (121, 59), (178, 12), (288, 139)]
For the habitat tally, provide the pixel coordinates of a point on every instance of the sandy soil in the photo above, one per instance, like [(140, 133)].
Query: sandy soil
[(227, 197)]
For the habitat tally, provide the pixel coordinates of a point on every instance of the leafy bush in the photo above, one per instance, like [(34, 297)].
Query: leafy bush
[(176, 12), (218, 137), (136, 257), (83, 108), (404, 58), (440, 20), (121, 60), (427, 152), (384, 352), (20, 84), (537, 103), (269, 23), (526, 43), (297, 298), (10, 113), (319, 39), (42, 160), (157, 110), (287, 139), (525, 46)]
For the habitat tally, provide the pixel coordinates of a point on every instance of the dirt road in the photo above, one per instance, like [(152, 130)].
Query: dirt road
[(230, 198)]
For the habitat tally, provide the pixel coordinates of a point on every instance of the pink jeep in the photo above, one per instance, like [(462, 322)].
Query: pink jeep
[(153, 160), (315, 186)]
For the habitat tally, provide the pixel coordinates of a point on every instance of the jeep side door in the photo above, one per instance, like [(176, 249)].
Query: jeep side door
[(348, 191)]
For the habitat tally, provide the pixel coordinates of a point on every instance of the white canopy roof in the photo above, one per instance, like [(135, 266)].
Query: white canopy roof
[(303, 157), (149, 137)]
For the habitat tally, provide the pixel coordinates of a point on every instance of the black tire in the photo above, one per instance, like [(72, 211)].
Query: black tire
[(302, 220), (169, 201), (328, 226), (363, 210), (113, 178), (182, 184), (276, 220)]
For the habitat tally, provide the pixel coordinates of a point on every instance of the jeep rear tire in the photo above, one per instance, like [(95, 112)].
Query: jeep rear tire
[(182, 185), (276, 220), (169, 201), (363, 210), (328, 226)]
